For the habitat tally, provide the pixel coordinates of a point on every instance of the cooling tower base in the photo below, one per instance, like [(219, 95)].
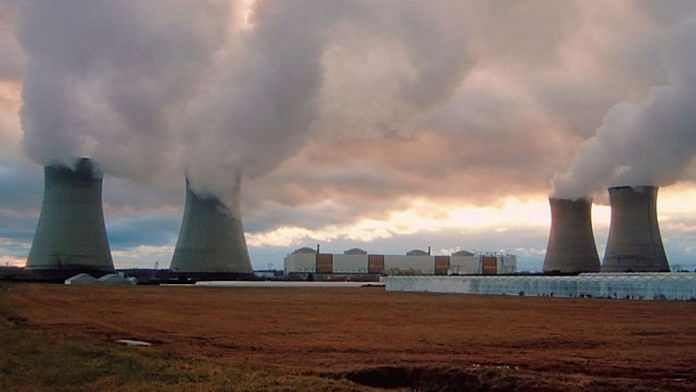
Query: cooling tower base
[(634, 243), (148, 276), (571, 247), (71, 234), (47, 275), (211, 239), (198, 276), (632, 264)]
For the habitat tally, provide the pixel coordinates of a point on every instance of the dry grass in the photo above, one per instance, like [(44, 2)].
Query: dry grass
[(297, 338)]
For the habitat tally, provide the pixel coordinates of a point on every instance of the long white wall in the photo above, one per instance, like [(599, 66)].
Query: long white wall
[(671, 286)]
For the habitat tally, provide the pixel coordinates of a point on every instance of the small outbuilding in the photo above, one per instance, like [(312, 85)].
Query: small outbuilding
[(117, 279), (81, 279)]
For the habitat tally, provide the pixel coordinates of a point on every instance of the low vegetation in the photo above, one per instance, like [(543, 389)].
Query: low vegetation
[(54, 337)]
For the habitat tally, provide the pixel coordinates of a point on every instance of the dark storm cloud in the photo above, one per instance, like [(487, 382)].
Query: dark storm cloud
[(21, 185), (153, 230), (20, 200), (122, 196)]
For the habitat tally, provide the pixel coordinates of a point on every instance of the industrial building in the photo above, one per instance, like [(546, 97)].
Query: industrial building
[(70, 236), (571, 247), (303, 260), (416, 262), (211, 238), (646, 286), (465, 263), (634, 243), (353, 261)]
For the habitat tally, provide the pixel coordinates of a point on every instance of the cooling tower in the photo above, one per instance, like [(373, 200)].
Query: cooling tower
[(211, 239), (571, 246), (634, 242), (71, 233)]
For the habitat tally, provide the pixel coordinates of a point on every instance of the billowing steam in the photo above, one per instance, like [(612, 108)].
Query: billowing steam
[(257, 108), (277, 78), (215, 88), (112, 79), (651, 142)]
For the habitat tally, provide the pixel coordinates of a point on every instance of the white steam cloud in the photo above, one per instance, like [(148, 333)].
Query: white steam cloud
[(214, 88), (283, 79), (111, 79), (257, 108), (651, 142)]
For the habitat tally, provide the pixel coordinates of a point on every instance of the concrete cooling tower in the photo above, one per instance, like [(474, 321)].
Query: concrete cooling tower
[(71, 233), (211, 239), (634, 242), (571, 246)]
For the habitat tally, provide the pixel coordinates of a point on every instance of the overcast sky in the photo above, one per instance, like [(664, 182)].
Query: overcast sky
[(386, 125)]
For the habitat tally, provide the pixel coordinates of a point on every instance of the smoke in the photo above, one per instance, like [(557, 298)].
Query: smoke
[(391, 67), (284, 79), (651, 142), (256, 110), (111, 79), (214, 88)]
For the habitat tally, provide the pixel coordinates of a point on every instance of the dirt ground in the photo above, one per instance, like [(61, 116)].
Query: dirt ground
[(380, 339)]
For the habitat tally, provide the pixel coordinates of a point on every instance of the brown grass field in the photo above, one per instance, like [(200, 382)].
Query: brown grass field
[(58, 337)]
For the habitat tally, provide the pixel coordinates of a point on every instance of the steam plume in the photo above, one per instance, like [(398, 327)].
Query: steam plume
[(109, 79), (143, 87), (270, 86), (651, 142), (257, 108)]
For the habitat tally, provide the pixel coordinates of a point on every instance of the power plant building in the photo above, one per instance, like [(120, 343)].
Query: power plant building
[(71, 234), (211, 238), (353, 261), (571, 247), (634, 243), (464, 262), (415, 262), (506, 264), (303, 260)]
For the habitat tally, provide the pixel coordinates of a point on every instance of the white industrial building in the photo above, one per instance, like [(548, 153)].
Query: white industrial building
[(415, 262), (464, 263), (303, 260), (506, 264), (353, 261)]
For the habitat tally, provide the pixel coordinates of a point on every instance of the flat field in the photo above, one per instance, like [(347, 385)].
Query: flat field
[(61, 337)]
